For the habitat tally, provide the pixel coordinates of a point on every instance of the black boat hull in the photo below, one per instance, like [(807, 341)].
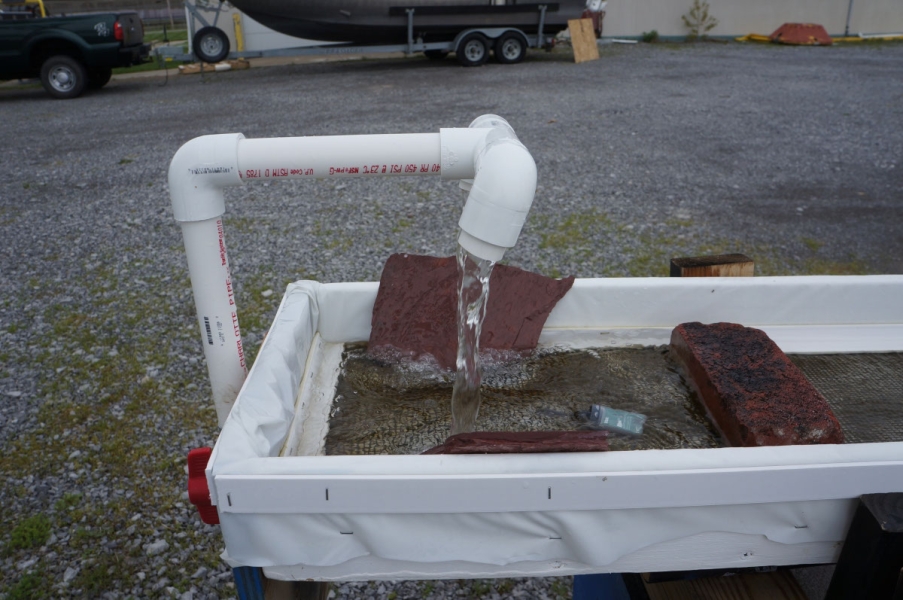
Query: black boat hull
[(366, 22)]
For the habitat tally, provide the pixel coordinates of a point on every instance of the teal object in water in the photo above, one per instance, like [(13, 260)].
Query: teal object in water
[(618, 421)]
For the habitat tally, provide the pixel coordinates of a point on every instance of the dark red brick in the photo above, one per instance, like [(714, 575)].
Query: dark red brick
[(416, 308), (512, 442), (754, 393)]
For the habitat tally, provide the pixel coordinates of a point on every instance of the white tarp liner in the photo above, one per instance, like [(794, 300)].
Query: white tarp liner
[(346, 517)]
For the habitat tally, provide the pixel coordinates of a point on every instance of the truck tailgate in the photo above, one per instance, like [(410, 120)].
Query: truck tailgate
[(132, 29)]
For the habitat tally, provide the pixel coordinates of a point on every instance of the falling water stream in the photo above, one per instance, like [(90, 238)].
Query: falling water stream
[(473, 295)]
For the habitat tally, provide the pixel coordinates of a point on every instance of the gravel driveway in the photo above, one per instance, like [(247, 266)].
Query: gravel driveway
[(790, 155)]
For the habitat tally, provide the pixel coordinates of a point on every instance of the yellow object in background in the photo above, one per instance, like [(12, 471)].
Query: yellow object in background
[(239, 38)]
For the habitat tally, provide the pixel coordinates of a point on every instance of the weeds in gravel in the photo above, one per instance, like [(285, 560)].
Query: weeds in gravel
[(31, 586), (33, 532), (577, 243), (68, 502), (110, 390), (562, 588)]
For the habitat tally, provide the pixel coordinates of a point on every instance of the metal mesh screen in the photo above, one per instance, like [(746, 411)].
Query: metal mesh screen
[(864, 390)]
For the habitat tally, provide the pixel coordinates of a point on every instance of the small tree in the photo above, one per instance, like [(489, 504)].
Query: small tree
[(698, 20)]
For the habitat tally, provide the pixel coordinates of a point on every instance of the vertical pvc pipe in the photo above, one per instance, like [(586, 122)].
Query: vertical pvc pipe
[(214, 299)]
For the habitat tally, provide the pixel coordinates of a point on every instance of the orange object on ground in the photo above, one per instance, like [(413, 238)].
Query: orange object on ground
[(801, 34)]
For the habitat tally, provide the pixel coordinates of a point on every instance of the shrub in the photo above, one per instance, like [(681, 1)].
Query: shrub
[(698, 20)]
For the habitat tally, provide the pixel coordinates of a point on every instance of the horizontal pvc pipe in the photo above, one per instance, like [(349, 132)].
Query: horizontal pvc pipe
[(214, 299), (339, 156), (503, 178)]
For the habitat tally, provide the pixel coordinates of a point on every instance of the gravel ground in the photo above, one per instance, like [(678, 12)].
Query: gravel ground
[(791, 155)]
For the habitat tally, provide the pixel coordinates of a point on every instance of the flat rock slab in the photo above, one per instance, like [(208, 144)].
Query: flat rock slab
[(416, 308), (751, 389), (512, 442)]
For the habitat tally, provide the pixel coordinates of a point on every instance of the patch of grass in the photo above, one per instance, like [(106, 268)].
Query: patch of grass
[(820, 266), (31, 586), (172, 35), (573, 231), (401, 225), (240, 224), (33, 532), (68, 502), (100, 577), (480, 587), (125, 161), (812, 244), (561, 588)]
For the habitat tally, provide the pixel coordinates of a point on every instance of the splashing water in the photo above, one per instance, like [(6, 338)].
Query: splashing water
[(473, 295)]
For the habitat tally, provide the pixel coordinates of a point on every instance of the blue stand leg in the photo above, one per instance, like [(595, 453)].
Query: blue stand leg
[(248, 583), (605, 586)]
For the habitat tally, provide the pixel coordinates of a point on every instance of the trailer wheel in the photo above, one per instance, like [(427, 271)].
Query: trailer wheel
[(473, 50), (63, 77), (211, 44), (510, 48)]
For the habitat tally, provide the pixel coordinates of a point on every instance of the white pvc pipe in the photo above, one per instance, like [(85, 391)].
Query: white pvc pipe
[(504, 181), (339, 156), (214, 298)]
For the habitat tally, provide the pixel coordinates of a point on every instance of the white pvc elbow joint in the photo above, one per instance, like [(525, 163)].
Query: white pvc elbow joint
[(499, 199), (198, 173)]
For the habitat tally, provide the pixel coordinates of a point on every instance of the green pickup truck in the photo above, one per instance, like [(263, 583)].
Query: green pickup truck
[(69, 53)]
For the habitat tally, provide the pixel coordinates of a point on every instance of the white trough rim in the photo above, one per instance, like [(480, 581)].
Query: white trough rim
[(245, 466)]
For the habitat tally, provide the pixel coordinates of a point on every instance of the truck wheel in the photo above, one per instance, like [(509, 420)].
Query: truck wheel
[(211, 44), (510, 48), (97, 78), (63, 77), (473, 50)]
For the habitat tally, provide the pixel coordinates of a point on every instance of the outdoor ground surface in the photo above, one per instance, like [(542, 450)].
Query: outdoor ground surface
[(790, 155)]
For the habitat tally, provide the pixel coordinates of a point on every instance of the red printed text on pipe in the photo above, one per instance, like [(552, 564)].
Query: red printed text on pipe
[(222, 241)]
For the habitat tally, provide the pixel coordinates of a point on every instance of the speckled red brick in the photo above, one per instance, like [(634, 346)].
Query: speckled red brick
[(754, 393), (416, 307)]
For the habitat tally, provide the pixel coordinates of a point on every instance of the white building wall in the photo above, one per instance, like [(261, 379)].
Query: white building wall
[(739, 17)]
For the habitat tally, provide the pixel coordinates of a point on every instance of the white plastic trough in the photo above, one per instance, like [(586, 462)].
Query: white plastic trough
[(305, 516), (385, 517)]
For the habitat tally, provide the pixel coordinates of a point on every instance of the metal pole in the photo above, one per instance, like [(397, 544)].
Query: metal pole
[(410, 12), (846, 30), (542, 22)]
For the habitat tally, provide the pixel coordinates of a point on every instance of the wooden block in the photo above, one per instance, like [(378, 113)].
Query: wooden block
[(871, 561), (719, 265), (777, 585), (228, 65), (583, 39)]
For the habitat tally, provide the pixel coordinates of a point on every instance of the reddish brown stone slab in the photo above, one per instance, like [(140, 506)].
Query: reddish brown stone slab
[(416, 308), (511, 442), (754, 393)]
